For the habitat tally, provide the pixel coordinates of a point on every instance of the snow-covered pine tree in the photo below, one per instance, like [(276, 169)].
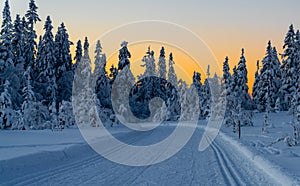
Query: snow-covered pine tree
[(63, 68), (65, 115), (33, 113), (149, 61), (100, 62), (83, 99), (44, 70), (255, 88), (30, 47), (268, 84), (197, 85), (288, 69), (236, 102), (226, 92), (243, 81), (162, 67), (123, 82), (103, 86), (7, 69), (6, 52), (184, 96), (297, 65), (52, 89), (173, 108), (77, 68), (18, 44), (172, 77), (276, 67), (226, 79), (63, 55), (6, 110), (78, 55), (244, 116), (205, 96), (124, 56), (216, 99)]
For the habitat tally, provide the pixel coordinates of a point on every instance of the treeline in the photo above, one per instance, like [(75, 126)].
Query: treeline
[(41, 88)]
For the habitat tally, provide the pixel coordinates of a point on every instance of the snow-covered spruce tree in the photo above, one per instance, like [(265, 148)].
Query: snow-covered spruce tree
[(78, 55), (100, 62), (18, 44), (297, 65), (205, 97), (226, 92), (63, 67), (124, 56), (255, 88), (173, 108), (172, 77), (123, 83), (288, 69), (84, 99), (6, 52), (236, 98), (184, 95), (243, 81), (7, 58), (30, 47), (197, 85), (66, 117), (6, 110), (162, 67), (44, 68), (149, 61), (53, 107), (215, 110), (145, 88), (268, 84), (77, 68), (276, 67), (244, 116), (103, 87), (33, 113)]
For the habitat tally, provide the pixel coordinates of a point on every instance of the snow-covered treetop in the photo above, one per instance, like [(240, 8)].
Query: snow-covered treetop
[(197, 77), (162, 52), (6, 15), (98, 49), (31, 14), (171, 57), (78, 52), (86, 46), (208, 71), (124, 54), (48, 25), (124, 44)]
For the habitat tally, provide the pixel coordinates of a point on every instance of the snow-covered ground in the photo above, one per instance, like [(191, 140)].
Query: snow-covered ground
[(271, 145), (63, 158)]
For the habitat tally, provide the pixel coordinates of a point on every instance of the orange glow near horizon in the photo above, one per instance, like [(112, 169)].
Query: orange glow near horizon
[(184, 64)]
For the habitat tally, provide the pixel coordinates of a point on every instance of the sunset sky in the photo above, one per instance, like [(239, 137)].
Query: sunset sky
[(225, 26)]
